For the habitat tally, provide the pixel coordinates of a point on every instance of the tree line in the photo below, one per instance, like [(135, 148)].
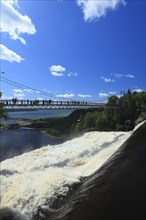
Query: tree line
[(121, 118)]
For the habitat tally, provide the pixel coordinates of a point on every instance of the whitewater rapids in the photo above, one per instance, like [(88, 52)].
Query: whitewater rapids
[(35, 179)]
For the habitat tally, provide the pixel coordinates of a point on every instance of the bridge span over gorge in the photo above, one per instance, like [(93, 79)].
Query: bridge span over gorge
[(14, 104), (46, 100)]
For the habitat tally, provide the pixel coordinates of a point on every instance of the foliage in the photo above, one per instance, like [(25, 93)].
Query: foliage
[(3, 113), (121, 114)]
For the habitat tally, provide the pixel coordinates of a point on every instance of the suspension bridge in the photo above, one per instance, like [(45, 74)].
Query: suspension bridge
[(13, 94)]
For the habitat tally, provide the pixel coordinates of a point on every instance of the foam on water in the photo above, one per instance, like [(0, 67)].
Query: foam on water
[(35, 179)]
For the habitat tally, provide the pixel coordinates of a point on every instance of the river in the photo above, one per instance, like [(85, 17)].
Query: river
[(14, 142), (15, 116)]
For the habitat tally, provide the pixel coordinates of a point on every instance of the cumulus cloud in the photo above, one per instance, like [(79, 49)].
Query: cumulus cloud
[(13, 22), (107, 79), (129, 76), (65, 95), (137, 90), (18, 90), (101, 94), (57, 70), (93, 10), (18, 93), (9, 55), (57, 74), (84, 95)]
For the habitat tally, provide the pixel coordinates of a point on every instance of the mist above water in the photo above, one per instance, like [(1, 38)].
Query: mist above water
[(14, 142)]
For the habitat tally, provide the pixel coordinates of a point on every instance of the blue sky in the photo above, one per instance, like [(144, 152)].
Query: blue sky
[(76, 49)]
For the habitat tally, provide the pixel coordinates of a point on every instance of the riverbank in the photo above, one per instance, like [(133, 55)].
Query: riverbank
[(75, 124), (61, 128), (51, 127)]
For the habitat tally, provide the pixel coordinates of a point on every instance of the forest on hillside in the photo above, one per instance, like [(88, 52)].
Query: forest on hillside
[(126, 110)]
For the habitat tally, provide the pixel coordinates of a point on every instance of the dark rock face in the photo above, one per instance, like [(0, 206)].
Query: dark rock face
[(8, 214), (117, 191), (141, 118)]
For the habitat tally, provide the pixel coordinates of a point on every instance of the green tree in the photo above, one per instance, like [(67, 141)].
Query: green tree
[(88, 121), (3, 113), (128, 108), (113, 100)]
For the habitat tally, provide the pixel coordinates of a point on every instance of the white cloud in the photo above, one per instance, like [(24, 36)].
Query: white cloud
[(129, 76), (57, 74), (14, 23), (65, 95), (118, 75), (84, 95), (17, 90), (28, 90), (56, 68), (13, 2), (137, 90), (18, 95), (72, 74), (107, 79), (9, 55), (119, 96), (93, 9), (39, 98), (112, 93), (103, 94)]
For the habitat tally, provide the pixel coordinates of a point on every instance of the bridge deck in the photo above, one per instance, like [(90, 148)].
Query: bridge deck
[(46, 104)]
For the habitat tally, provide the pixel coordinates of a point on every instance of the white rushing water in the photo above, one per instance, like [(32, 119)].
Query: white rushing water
[(31, 179)]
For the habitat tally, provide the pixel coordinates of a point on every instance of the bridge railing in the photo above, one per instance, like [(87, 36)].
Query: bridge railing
[(25, 103)]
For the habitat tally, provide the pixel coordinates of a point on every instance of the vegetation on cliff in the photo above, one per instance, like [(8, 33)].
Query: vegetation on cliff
[(122, 115)]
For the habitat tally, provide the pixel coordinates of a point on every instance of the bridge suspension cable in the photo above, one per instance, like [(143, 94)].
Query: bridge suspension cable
[(26, 88), (31, 90)]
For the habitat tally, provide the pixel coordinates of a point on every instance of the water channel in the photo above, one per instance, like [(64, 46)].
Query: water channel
[(14, 142)]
